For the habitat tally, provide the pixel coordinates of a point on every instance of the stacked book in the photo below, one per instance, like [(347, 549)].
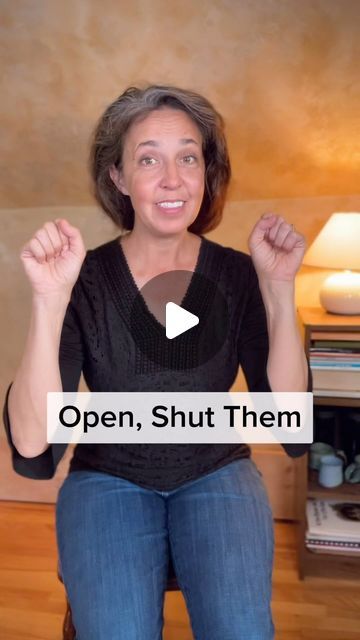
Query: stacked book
[(333, 526), (335, 363)]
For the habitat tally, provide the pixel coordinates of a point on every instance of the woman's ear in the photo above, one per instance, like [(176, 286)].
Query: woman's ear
[(117, 178)]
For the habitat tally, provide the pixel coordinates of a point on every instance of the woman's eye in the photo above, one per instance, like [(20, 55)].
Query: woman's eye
[(148, 161), (190, 159)]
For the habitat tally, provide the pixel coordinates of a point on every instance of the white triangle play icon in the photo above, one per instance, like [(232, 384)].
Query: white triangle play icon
[(178, 320)]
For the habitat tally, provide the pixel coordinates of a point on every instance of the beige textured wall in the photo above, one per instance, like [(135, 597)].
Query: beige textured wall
[(282, 73)]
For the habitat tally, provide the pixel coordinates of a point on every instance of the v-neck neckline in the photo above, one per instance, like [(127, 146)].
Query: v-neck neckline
[(136, 292), (153, 348)]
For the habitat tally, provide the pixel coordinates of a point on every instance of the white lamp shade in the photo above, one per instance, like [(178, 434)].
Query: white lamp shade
[(338, 244)]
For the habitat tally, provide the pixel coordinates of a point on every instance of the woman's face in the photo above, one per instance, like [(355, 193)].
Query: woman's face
[(163, 171)]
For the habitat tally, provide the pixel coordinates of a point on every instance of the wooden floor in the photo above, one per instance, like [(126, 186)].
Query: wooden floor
[(32, 599)]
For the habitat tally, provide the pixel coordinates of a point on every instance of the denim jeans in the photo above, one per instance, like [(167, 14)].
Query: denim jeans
[(114, 539)]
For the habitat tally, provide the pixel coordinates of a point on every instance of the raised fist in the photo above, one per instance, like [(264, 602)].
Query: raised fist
[(52, 258)]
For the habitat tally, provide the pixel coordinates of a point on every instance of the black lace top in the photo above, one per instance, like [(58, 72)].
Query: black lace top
[(98, 340)]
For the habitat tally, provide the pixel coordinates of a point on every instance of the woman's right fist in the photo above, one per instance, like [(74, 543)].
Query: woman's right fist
[(53, 257)]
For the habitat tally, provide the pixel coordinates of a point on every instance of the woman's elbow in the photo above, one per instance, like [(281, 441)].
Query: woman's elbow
[(30, 449)]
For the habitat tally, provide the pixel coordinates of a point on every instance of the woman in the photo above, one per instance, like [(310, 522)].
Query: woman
[(160, 167)]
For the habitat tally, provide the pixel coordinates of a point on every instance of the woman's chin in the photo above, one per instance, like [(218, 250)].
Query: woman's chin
[(172, 225)]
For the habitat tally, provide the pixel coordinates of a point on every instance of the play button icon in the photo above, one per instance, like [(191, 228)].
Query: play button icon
[(178, 320)]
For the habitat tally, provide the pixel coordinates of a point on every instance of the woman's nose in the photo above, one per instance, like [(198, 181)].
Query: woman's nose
[(171, 178)]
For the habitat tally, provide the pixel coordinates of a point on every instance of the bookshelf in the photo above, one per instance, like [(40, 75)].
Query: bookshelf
[(317, 324)]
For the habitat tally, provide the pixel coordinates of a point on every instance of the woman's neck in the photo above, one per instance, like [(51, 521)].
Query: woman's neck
[(148, 254)]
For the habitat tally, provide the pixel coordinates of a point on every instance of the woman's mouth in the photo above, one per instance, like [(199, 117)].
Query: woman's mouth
[(171, 206)]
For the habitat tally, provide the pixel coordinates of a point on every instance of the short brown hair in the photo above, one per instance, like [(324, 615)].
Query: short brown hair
[(108, 143)]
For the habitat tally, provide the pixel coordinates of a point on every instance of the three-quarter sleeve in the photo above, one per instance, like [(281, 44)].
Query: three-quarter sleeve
[(253, 350), (43, 466)]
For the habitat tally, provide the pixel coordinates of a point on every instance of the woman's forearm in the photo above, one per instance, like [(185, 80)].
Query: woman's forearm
[(37, 374), (287, 367)]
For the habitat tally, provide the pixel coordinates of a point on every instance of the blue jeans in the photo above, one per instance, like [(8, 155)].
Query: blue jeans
[(114, 540)]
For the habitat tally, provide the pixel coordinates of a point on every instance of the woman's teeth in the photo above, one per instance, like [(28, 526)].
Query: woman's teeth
[(171, 205)]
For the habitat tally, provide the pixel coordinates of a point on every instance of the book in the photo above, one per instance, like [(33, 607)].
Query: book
[(336, 544), (336, 335), (334, 355), (334, 551), (325, 356), (337, 345), (334, 520), (327, 360), (317, 352), (336, 379), (328, 365), (336, 393)]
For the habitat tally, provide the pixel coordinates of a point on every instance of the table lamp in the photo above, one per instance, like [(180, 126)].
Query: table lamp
[(338, 247)]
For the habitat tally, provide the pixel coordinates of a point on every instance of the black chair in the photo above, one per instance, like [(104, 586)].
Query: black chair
[(69, 632)]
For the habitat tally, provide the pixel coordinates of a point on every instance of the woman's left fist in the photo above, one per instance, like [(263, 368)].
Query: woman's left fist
[(276, 248)]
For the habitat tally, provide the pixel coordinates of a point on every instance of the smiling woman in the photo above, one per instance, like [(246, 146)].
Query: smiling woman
[(160, 169), (162, 172), (200, 138)]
